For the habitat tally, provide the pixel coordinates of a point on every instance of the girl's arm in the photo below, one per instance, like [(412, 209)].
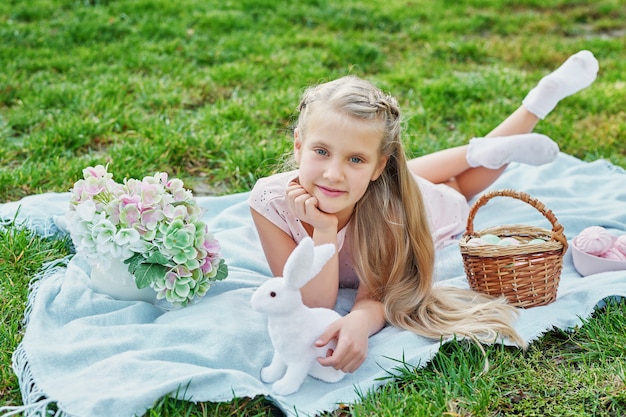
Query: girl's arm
[(277, 245), (352, 332)]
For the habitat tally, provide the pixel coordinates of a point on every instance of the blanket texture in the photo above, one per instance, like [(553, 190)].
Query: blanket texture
[(94, 356)]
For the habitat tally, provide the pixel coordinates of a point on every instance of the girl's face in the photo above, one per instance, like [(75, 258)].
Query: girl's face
[(338, 157)]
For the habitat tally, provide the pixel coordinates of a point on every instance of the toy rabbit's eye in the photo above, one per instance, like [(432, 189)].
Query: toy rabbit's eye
[(272, 294)]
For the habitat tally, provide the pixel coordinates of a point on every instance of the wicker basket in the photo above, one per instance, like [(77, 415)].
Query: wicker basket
[(527, 274)]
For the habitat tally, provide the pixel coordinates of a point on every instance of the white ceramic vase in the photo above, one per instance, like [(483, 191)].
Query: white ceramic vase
[(112, 278)]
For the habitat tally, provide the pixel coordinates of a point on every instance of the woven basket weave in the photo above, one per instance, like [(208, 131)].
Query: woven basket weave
[(527, 274)]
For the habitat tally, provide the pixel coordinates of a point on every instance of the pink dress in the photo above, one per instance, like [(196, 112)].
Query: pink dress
[(447, 211)]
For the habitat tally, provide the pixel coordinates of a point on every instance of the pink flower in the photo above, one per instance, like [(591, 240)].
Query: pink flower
[(92, 186), (150, 218), (126, 199), (133, 186), (161, 177), (182, 271), (206, 266), (180, 212), (150, 194), (181, 194), (98, 172), (129, 213), (211, 245)]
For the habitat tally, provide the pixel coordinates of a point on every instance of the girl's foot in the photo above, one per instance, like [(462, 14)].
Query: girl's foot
[(576, 73), (527, 148)]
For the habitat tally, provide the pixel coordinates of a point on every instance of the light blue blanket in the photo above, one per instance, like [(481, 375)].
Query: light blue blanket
[(95, 356)]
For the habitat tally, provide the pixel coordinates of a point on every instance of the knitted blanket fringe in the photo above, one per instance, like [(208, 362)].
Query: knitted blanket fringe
[(36, 401)]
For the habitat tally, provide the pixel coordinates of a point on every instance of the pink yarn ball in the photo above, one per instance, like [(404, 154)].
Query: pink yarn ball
[(594, 240), (620, 244), (614, 255)]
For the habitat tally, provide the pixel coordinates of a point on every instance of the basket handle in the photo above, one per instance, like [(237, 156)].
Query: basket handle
[(557, 229)]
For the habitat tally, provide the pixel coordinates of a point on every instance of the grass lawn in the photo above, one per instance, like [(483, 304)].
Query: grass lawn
[(206, 90)]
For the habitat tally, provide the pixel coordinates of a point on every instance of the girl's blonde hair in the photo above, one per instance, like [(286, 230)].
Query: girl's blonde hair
[(392, 245)]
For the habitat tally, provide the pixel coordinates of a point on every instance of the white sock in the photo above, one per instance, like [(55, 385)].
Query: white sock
[(527, 148), (576, 73)]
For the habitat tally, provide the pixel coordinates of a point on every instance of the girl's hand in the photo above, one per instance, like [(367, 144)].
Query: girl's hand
[(352, 336), (305, 207)]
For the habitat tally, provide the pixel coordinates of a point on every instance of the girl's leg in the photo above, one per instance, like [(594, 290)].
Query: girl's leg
[(473, 180), (471, 168), (441, 166)]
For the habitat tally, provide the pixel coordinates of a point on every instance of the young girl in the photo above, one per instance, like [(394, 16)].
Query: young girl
[(386, 215)]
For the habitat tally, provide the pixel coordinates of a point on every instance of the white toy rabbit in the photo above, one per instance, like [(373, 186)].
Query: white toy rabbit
[(294, 327)]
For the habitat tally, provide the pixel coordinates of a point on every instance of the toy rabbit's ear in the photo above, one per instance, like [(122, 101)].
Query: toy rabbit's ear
[(306, 261)]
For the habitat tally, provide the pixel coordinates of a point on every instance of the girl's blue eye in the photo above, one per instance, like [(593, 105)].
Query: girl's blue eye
[(356, 160), (321, 152)]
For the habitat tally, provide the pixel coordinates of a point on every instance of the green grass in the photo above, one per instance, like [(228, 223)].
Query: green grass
[(206, 90), (23, 254), (562, 374)]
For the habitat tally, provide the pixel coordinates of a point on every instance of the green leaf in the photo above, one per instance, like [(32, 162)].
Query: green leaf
[(147, 273), (222, 271), (133, 262), (157, 258)]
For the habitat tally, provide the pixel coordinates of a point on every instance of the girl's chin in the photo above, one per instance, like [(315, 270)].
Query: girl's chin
[(327, 208), (330, 205), (330, 208)]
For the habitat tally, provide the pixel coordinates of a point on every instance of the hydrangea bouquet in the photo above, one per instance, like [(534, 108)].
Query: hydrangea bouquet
[(153, 225)]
